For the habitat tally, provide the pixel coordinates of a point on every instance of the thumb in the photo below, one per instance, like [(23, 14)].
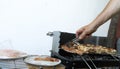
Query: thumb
[(78, 32)]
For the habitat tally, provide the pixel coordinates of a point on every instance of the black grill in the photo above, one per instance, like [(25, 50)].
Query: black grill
[(75, 61)]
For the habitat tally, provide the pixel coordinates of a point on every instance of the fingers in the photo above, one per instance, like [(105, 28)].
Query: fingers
[(85, 31), (84, 35), (78, 32)]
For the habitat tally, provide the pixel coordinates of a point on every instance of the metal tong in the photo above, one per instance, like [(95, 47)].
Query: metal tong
[(74, 41)]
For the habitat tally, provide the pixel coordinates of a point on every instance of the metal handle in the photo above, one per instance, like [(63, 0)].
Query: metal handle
[(50, 33)]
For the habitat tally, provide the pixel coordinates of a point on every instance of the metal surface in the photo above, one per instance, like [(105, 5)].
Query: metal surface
[(93, 62), (86, 63), (13, 64), (75, 41), (118, 45), (56, 40), (90, 61)]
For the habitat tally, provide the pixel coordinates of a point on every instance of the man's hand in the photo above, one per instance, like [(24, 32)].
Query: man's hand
[(85, 31), (112, 8)]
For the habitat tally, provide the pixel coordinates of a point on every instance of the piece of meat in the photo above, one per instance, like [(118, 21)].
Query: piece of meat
[(88, 48), (46, 59)]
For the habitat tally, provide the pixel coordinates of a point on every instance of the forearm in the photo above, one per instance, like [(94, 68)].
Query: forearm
[(110, 10)]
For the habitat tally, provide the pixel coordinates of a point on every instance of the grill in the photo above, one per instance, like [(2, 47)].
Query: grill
[(74, 61)]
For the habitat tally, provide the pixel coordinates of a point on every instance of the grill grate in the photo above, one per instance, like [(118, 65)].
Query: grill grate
[(76, 62), (13, 64)]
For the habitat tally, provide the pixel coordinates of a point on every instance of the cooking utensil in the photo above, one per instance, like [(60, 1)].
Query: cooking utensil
[(73, 41)]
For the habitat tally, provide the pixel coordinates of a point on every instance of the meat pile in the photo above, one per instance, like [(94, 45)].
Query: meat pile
[(87, 49), (46, 59)]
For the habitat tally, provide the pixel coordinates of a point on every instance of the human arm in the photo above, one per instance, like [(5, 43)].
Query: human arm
[(112, 8)]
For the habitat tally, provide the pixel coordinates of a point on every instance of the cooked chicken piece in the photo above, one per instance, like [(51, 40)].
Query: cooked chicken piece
[(88, 48), (46, 59)]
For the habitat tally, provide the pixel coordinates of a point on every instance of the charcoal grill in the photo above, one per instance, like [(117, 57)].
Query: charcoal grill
[(75, 61)]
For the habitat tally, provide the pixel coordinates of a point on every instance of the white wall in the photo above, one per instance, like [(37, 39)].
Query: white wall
[(24, 23)]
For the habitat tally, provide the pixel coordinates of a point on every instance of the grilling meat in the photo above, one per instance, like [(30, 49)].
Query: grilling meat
[(88, 49)]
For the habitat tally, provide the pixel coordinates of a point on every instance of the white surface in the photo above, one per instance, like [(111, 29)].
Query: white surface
[(25, 22), (31, 60), (6, 57)]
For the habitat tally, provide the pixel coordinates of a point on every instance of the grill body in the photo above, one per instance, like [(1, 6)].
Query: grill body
[(74, 61)]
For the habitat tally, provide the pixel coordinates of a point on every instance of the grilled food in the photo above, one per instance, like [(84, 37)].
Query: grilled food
[(87, 49), (46, 59)]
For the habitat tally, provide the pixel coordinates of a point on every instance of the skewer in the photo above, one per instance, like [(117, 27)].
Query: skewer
[(86, 62), (114, 57), (92, 63)]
